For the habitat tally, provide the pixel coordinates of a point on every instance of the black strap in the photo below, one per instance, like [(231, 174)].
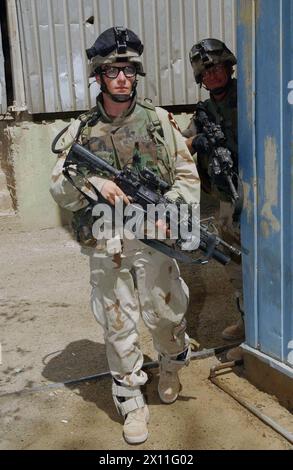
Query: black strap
[(90, 119), (58, 136)]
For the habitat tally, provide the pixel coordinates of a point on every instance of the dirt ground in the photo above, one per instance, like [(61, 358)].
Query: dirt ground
[(48, 336)]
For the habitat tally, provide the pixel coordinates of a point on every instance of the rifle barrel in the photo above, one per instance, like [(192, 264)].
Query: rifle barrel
[(93, 160)]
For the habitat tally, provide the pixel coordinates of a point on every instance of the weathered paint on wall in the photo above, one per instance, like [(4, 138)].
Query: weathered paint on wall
[(6, 207), (269, 221), (265, 29), (3, 100), (33, 164)]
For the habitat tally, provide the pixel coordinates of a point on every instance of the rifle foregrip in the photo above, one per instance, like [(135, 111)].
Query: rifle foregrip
[(221, 257), (217, 255)]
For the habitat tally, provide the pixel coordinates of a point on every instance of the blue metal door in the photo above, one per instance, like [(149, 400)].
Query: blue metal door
[(265, 71)]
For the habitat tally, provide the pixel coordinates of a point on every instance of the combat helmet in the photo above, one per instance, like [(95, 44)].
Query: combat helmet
[(116, 44), (209, 52)]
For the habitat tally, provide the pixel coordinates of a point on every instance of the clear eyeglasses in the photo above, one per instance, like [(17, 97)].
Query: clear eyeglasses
[(113, 72)]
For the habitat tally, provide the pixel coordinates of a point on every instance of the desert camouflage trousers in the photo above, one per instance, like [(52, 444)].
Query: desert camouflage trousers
[(137, 281)]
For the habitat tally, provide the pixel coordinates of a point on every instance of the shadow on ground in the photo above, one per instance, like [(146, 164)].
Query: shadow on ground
[(85, 358)]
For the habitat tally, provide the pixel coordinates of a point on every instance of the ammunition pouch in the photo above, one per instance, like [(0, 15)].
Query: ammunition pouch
[(82, 222)]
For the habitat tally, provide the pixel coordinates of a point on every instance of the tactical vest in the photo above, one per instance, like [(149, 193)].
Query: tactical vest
[(225, 113), (135, 139)]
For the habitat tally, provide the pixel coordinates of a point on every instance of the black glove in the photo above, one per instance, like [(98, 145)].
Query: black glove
[(200, 144)]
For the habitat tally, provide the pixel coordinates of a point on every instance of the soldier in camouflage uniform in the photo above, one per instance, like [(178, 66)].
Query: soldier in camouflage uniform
[(127, 277), (212, 64)]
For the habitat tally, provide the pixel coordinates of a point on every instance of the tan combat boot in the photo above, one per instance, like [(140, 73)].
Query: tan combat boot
[(235, 354), (169, 384), (135, 429), (234, 332), (131, 405)]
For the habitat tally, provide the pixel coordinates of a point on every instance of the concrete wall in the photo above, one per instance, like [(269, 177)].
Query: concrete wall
[(26, 145), (6, 176), (6, 206)]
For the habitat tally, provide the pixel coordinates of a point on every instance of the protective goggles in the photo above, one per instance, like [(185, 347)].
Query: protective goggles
[(113, 72)]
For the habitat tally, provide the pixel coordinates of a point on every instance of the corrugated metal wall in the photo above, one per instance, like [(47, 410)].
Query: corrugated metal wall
[(3, 100), (265, 58), (55, 33)]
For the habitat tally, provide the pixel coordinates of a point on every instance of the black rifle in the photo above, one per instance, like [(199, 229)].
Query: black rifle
[(221, 166), (143, 189)]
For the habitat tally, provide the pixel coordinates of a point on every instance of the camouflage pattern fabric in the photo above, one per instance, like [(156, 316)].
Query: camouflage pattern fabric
[(118, 140), (161, 296), (117, 266)]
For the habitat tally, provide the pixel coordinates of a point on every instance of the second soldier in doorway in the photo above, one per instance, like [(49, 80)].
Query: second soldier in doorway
[(212, 63), (129, 278)]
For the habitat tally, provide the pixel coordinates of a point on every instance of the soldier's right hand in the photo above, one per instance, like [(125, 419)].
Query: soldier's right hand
[(110, 191)]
